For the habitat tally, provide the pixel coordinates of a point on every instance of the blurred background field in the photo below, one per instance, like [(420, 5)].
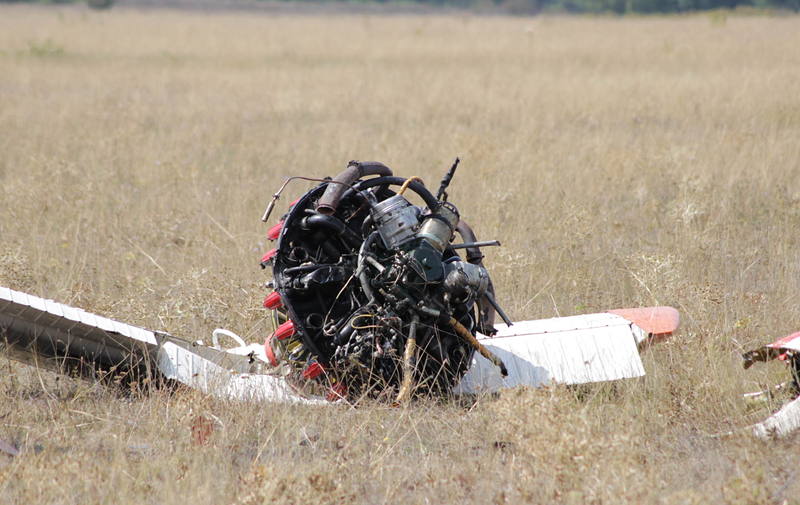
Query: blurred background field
[(514, 7), (621, 161)]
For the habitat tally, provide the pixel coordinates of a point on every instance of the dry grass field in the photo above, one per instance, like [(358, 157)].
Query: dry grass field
[(621, 161)]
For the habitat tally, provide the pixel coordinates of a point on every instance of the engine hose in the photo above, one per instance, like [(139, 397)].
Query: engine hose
[(302, 268), (355, 170), (333, 224), (414, 186), (408, 363), (408, 182), (341, 333), (328, 246), (486, 353)]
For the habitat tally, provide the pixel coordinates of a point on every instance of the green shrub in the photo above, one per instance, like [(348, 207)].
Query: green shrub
[(100, 4)]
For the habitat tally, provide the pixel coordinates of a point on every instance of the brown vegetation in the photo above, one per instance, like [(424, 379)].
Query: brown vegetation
[(622, 162)]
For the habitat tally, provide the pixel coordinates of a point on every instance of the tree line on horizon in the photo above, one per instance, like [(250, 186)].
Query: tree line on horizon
[(537, 6), (614, 6), (653, 6)]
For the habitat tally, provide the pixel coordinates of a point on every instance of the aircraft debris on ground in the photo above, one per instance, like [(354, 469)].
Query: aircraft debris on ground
[(371, 298), (787, 419), (64, 339)]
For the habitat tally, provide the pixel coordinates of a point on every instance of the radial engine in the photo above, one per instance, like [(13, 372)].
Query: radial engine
[(371, 296)]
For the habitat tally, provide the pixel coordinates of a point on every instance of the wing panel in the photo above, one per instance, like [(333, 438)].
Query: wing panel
[(570, 357)]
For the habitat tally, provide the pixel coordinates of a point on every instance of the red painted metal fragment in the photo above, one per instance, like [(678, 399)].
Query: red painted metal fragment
[(788, 342), (657, 321), (273, 360), (269, 255)]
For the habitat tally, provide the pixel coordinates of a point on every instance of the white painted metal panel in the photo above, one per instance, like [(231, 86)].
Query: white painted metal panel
[(260, 387), (104, 323), (792, 342), (87, 318), (19, 298), (50, 313), (639, 334), (560, 324), (54, 308), (14, 305), (146, 336), (37, 303), (71, 313), (793, 345), (121, 328), (781, 423), (582, 350), (186, 367)]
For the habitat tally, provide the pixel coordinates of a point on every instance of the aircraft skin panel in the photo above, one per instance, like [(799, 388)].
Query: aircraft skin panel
[(189, 368), (781, 423), (791, 342), (558, 324), (787, 419), (589, 348), (54, 308), (32, 324)]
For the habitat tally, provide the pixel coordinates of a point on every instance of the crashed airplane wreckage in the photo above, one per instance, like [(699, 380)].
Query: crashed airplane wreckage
[(787, 418), (371, 298)]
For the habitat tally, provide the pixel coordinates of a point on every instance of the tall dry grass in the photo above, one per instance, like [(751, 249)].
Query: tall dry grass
[(622, 162)]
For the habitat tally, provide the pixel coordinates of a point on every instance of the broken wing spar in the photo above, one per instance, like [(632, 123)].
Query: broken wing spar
[(570, 350)]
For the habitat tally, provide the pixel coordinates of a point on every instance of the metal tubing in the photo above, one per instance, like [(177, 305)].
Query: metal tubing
[(355, 170), (497, 308), (467, 245)]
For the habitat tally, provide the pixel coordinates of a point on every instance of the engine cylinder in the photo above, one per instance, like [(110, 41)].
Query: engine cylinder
[(396, 219), (438, 228)]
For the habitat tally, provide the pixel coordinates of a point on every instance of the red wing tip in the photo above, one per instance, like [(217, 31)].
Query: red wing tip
[(788, 342), (657, 321), (777, 349)]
